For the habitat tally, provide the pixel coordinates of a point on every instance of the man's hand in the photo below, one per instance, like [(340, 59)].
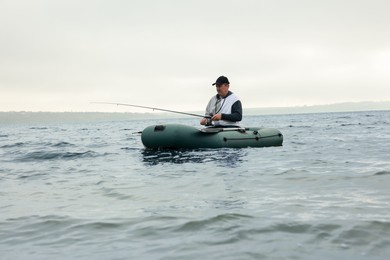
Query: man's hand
[(216, 117)]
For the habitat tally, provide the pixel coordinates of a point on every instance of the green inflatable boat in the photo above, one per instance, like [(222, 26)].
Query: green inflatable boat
[(176, 136)]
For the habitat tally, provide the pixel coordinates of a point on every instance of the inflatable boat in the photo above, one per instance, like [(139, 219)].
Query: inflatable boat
[(177, 136)]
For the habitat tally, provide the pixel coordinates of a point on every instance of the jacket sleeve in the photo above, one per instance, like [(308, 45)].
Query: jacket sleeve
[(236, 114)]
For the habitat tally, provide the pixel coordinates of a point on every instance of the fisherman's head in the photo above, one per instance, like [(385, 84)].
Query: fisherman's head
[(222, 84)]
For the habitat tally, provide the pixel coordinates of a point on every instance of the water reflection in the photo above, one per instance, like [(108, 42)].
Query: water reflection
[(229, 157)]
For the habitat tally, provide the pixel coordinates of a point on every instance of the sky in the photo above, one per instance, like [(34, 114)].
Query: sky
[(62, 55)]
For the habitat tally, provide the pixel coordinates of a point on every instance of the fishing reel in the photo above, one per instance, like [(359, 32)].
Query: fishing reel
[(208, 121)]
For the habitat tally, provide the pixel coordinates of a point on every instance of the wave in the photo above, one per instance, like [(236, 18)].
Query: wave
[(374, 235), (216, 235), (62, 144), (18, 144), (229, 157), (197, 225), (130, 148), (55, 229), (385, 172), (55, 155), (29, 228)]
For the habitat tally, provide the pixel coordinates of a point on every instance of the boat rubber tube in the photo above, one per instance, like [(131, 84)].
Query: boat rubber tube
[(176, 136)]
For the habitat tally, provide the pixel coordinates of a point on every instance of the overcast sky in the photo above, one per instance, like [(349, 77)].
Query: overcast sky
[(62, 55)]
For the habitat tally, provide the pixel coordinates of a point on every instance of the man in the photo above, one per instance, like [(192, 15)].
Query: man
[(225, 108)]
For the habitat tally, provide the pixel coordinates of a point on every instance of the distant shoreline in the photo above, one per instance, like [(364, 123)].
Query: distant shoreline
[(338, 107), (36, 117)]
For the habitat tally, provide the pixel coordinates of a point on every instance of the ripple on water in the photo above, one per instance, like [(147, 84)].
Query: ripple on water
[(57, 155)]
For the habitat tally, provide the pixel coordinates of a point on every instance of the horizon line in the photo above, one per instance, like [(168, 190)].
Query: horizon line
[(347, 103)]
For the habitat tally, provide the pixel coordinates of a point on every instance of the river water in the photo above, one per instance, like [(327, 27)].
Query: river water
[(89, 190)]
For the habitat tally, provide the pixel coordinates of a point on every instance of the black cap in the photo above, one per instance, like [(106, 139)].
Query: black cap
[(221, 80)]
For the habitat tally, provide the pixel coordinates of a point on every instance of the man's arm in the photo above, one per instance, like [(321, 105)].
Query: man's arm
[(236, 114)]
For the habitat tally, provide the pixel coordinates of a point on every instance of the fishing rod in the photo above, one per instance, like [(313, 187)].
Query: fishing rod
[(154, 108)]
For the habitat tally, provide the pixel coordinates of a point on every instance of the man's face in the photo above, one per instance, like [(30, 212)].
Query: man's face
[(222, 89)]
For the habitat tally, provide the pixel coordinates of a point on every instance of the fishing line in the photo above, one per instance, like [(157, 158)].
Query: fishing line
[(154, 108)]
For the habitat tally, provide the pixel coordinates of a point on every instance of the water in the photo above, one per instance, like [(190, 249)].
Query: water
[(90, 191)]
